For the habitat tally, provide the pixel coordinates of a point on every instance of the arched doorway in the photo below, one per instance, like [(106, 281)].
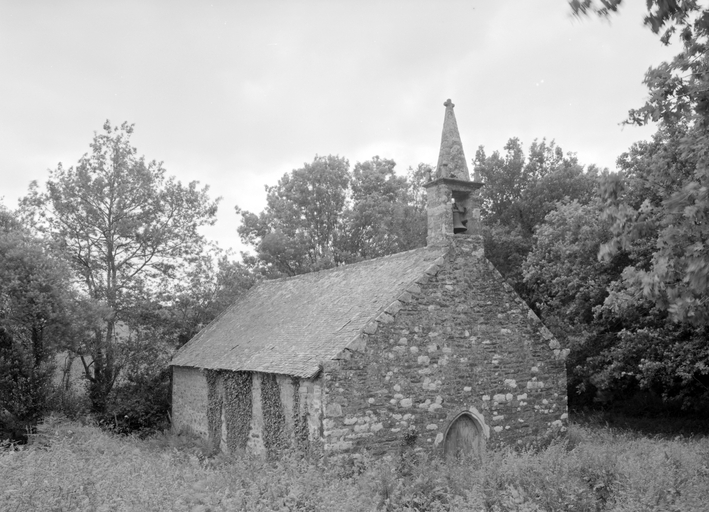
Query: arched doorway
[(465, 437)]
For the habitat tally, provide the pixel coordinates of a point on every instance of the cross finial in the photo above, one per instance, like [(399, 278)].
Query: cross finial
[(448, 103)]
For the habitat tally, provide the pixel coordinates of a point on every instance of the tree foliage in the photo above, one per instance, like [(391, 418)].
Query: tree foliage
[(566, 284), (184, 306), (125, 226), (323, 215), (36, 308), (661, 195), (658, 304), (566, 280), (382, 217), (648, 330), (297, 231), (520, 190), (673, 169)]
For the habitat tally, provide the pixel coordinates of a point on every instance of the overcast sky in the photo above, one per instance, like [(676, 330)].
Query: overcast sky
[(234, 94)]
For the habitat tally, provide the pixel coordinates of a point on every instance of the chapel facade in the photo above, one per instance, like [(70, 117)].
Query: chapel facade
[(428, 348)]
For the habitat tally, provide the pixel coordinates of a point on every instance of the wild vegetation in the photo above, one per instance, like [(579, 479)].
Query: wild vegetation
[(105, 260), (75, 467)]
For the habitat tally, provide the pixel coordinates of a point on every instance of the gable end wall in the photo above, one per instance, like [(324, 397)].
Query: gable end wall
[(462, 339)]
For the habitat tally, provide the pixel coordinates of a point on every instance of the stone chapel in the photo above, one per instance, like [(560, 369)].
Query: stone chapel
[(430, 348)]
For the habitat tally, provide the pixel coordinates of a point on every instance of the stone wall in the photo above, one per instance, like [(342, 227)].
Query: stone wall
[(297, 401), (439, 214), (459, 339)]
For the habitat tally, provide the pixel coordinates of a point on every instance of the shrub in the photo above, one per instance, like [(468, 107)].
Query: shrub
[(72, 403), (140, 407), (11, 429), (25, 386)]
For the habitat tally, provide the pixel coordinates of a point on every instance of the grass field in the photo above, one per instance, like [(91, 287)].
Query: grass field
[(72, 467)]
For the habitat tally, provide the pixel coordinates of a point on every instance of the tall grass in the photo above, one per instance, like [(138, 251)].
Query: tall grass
[(80, 468)]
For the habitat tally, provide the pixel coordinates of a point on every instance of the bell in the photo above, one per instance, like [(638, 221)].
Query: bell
[(459, 223)]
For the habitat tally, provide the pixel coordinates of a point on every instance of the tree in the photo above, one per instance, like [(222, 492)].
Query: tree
[(323, 215), (36, 306), (416, 178), (184, 306), (661, 195), (505, 180), (657, 303), (562, 270), (670, 15), (520, 190), (657, 207), (677, 278), (125, 226), (296, 233), (567, 284), (383, 217)]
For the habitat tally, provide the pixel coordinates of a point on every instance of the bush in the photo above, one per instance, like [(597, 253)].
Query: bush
[(140, 408), (72, 403), (25, 387), (11, 429)]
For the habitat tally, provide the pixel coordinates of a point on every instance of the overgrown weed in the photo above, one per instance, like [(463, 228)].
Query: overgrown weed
[(71, 466)]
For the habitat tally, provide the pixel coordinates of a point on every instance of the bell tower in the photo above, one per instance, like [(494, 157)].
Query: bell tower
[(453, 204)]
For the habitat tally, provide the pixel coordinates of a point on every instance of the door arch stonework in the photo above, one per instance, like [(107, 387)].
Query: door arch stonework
[(466, 435)]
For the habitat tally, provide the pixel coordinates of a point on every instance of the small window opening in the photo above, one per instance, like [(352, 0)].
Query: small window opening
[(460, 223), (461, 211)]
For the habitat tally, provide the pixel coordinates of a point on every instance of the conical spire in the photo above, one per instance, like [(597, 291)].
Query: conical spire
[(451, 158)]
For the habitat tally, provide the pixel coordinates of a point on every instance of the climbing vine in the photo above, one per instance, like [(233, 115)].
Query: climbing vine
[(274, 419), (300, 422), (236, 404), (214, 408), (237, 413)]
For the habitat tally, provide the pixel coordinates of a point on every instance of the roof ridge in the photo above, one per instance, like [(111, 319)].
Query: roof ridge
[(349, 265), (310, 319)]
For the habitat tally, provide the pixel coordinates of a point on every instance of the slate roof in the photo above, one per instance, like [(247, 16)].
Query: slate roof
[(290, 326)]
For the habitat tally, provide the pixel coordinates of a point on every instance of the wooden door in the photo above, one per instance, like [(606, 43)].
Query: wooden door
[(464, 439)]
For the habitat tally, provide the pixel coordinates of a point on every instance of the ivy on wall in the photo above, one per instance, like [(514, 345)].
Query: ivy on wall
[(274, 419), (300, 421), (237, 413), (231, 393), (214, 408)]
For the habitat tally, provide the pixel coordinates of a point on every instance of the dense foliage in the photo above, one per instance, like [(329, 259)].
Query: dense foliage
[(325, 214), (140, 280), (106, 260), (125, 227), (520, 189), (649, 333), (75, 467), (37, 309)]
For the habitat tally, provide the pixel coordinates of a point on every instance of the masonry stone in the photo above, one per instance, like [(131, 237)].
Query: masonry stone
[(371, 355), (516, 349)]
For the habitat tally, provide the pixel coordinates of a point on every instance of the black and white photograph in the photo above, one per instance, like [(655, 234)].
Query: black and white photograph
[(354, 255)]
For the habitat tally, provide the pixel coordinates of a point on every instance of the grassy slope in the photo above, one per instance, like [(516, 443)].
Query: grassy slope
[(78, 468)]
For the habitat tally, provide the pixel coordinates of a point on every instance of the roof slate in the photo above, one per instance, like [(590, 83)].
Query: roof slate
[(290, 326)]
